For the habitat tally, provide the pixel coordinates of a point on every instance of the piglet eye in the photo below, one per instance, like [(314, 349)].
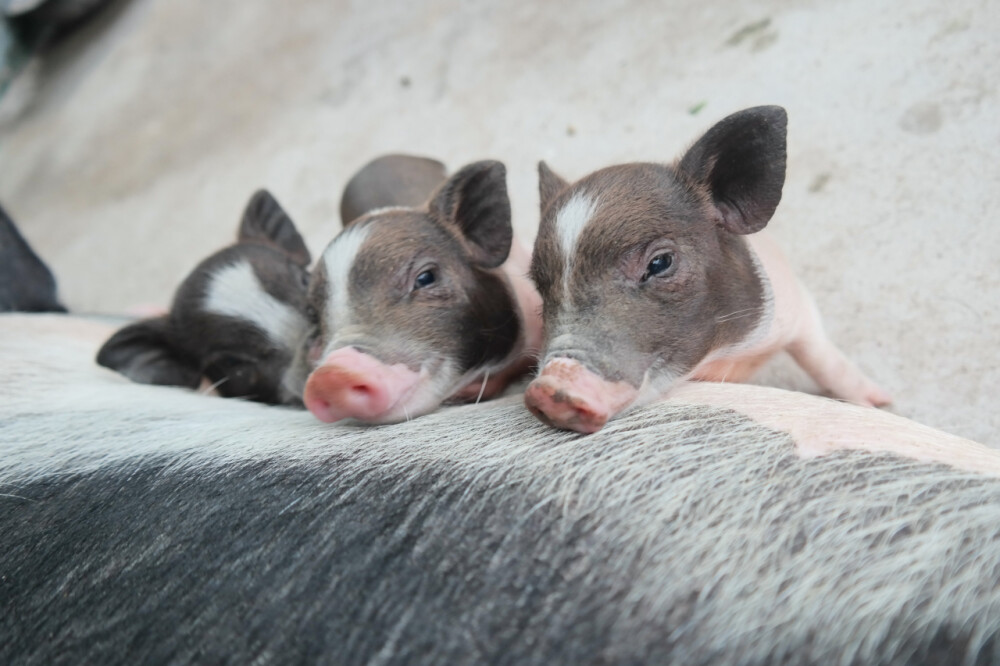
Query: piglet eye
[(659, 265), (425, 279)]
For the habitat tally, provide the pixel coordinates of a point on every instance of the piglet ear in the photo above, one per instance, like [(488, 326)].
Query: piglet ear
[(143, 352), (265, 221), (741, 161), (549, 185), (475, 201), (391, 180)]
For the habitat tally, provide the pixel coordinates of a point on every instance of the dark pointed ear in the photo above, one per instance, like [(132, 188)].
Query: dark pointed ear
[(475, 201), (265, 221), (742, 163), (549, 185), (143, 352)]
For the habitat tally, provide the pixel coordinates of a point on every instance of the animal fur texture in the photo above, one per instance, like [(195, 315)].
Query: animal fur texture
[(145, 524)]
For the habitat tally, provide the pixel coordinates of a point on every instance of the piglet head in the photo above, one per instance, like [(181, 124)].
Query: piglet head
[(642, 270), (407, 304), (236, 320)]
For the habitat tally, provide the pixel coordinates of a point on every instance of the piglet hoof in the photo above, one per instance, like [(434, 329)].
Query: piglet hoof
[(553, 405), (865, 393), (875, 397)]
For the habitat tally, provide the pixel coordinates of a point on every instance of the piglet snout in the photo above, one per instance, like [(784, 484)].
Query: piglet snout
[(352, 384), (569, 396)]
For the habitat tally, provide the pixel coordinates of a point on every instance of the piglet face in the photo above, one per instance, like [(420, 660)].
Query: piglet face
[(643, 273), (241, 314), (408, 305), (236, 320)]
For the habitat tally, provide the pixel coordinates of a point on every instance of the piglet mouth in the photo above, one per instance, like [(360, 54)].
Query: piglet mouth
[(567, 395), (351, 384)]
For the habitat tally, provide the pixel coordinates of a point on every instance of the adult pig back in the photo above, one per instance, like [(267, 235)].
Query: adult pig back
[(145, 525)]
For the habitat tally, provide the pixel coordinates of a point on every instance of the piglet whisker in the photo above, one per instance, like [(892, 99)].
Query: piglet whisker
[(208, 389), (738, 314), (482, 389)]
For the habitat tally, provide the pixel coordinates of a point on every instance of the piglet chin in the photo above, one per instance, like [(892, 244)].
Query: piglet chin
[(351, 384), (569, 396)]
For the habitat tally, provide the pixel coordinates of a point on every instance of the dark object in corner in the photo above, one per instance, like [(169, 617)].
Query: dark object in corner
[(26, 283), (34, 19)]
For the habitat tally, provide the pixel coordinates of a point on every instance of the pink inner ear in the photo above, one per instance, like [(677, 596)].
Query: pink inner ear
[(735, 221)]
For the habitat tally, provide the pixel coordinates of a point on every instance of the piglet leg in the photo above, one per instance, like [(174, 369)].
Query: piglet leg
[(829, 367)]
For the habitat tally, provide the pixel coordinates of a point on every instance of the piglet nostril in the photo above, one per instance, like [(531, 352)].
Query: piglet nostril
[(362, 400)]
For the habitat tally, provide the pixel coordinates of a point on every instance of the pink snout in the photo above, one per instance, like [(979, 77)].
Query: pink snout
[(351, 384), (567, 395)]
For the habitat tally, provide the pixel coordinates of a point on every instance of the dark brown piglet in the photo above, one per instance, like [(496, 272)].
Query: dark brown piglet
[(235, 320), (649, 276)]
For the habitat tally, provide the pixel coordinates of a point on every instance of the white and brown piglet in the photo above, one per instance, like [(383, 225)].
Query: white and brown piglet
[(414, 306), (236, 320), (649, 276)]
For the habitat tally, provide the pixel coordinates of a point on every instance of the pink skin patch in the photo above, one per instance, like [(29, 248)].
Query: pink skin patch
[(820, 426), (351, 384), (567, 395)]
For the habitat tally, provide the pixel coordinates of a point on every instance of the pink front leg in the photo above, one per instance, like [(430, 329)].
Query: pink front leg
[(798, 329), (829, 367)]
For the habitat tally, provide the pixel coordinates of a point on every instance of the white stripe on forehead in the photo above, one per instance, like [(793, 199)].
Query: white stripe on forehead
[(388, 209), (571, 220), (236, 291), (337, 260)]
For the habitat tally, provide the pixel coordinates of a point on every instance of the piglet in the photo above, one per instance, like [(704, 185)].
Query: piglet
[(649, 276), (414, 306), (235, 320)]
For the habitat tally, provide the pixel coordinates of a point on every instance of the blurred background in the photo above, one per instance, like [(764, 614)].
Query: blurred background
[(131, 139)]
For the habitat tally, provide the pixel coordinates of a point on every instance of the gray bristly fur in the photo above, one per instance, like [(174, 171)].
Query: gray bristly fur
[(147, 525)]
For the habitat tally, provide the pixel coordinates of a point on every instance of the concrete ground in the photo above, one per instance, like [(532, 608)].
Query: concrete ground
[(127, 153)]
